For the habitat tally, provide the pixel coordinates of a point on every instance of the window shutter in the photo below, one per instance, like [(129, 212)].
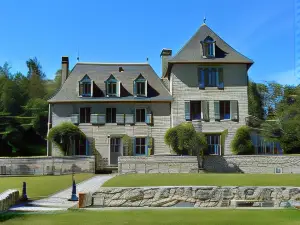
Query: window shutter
[(204, 110), (118, 89), (187, 110), (146, 88), (133, 146), (106, 89), (134, 88), (201, 79), (217, 110), (234, 110), (220, 78), (146, 146), (206, 73), (80, 89), (92, 88)]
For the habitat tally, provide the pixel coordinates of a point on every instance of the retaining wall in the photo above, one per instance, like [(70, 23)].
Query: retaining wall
[(220, 164), (195, 196), (47, 165), (8, 199)]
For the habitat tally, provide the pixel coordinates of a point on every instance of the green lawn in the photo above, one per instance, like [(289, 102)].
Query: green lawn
[(163, 217), (136, 180), (41, 186)]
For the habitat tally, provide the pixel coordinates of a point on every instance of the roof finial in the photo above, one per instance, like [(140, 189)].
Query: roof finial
[(147, 59), (78, 55), (204, 20)]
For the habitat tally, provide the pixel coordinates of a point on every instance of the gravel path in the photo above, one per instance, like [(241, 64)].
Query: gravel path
[(59, 201)]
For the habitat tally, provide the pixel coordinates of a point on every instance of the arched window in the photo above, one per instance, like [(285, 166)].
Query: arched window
[(208, 46), (85, 87)]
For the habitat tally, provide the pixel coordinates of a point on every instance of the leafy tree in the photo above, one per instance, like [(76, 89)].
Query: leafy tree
[(62, 135), (36, 87), (53, 86), (241, 143), (285, 127), (184, 140), (255, 101), (5, 70)]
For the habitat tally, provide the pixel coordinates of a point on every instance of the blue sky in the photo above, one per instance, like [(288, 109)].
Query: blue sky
[(131, 31)]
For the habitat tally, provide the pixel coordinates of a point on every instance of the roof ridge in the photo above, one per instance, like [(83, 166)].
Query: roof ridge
[(114, 63)]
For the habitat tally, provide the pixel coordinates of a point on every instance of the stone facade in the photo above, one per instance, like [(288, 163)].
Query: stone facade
[(184, 87), (8, 199), (194, 196), (99, 135), (230, 164), (47, 165)]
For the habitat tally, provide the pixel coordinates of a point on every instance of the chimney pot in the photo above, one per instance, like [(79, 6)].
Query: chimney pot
[(165, 55), (64, 69)]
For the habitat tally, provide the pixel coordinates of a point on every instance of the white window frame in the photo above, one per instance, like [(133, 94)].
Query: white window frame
[(111, 83), (141, 83), (139, 108), (141, 145)]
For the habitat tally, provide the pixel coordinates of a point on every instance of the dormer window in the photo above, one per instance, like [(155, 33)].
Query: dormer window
[(208, 47), (85, 87), (112, 87), (140, 86)]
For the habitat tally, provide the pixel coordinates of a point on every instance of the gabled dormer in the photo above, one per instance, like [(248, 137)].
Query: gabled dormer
[(208, 47), (112, 87), (140, 85), (86, 87)]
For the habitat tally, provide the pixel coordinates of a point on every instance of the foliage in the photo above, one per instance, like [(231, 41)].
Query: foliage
[(128, 144), (255, 101), (241, 143), (63, 134), (285, 127), (184, 140)]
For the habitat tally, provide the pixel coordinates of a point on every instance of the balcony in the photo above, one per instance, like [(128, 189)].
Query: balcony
[(120, 118), (129, 118), (97, 119), (75, 118)]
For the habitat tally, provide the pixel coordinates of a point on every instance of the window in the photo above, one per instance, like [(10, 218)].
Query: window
[(140, 115), (110, 115), (85, 115), (196, 110), (85, 87), (208, 47), (140, 88), (112, 88), (140, 146), (224, 110), (278, 170), (211, 77), (115, 144), (214, 144)]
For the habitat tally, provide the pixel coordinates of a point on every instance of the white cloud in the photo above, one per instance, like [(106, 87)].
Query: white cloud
[(286, 77)]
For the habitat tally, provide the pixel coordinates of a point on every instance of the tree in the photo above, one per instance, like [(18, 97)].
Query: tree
[(255, 101), (5, 70), (63, 134), (36, 87), (184, 140), (52, 86), (241, 143), (285, 126)]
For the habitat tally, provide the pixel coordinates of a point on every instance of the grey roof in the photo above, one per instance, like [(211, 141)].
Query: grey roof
[(192, 50), (100, 72)]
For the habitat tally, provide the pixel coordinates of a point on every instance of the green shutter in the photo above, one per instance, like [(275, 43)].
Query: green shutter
[(206, 73), (220, 78), (217, 110), (205, 110), (80, 89), (201, 78), (134, 88), (146, 147), (234, 110), (187, 110), (133, 144)]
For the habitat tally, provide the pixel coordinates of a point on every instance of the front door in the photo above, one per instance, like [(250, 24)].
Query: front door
[(115, 150)]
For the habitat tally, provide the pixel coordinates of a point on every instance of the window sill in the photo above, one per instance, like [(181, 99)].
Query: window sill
[(85, 124), (84, 96), (141, 123)]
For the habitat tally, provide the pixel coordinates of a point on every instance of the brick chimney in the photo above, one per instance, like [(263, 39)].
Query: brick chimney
[(64, 69), (165, 55)]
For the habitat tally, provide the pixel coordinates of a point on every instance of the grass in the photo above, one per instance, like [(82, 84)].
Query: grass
[(41, 186), (162, 217), (136, 180)]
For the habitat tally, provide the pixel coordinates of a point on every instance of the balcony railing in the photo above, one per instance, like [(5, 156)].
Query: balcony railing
[(97, 119), (129, 118), (120, 118), (75, 118)]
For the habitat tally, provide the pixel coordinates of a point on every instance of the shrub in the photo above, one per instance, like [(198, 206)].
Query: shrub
[(183, 139), (62, 135), (241, 143), (127, 141)]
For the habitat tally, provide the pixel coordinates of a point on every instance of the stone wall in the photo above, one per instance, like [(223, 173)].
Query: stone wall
[(220, 164), (209, 196), (157, 164), (8, 199), (46, 165)]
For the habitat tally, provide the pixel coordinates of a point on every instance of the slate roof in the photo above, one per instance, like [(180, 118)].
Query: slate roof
[(192, 50), (100, 72)]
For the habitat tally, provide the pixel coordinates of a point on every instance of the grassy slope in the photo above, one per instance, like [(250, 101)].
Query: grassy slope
[(136, 180), (39, 186), (164, 217)]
